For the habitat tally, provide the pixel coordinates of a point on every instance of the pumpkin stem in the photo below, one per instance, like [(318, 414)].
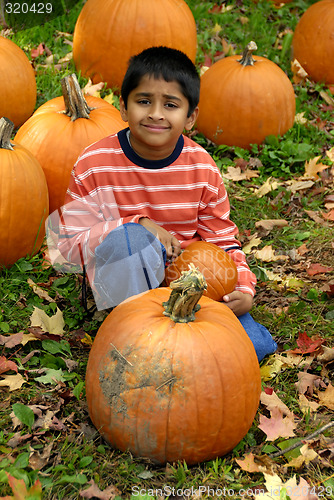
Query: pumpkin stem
[(186, 292), (75, 104), (247, 59), (6, 129)]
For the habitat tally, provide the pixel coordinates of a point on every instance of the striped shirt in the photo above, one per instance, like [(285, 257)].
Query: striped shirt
[(111, 185)]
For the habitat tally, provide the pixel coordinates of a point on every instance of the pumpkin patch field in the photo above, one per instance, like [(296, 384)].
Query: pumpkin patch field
[(163, 397)]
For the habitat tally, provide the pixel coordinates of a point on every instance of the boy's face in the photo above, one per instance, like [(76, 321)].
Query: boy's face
[(157, 115)]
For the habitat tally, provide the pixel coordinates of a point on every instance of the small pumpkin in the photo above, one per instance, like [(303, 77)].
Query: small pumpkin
[(245, 99), (313, 41), (217, 267), (172, 375), (17, 83), (61, 128), (24, 199), (108, 33)]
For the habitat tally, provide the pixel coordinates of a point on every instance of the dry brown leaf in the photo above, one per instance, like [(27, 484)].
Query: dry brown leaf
[(272, 401), (268, 224), (299, 73), (39, 291), (277, 425)]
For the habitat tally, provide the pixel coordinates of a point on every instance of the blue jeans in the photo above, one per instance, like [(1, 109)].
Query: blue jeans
[(132, 260)]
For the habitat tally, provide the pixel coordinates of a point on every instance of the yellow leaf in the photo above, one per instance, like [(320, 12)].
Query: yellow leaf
[(235, 174), (267, 187), (300, 119), (298, 185), (326, 398), (54, 324), (330, 154), (14, 382), (253, 242), (109, 98), (271, 368), (306, 405), (312, 168), (267, 254)]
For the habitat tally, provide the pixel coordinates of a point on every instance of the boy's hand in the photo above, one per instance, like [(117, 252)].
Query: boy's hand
[(239, 302), (172, 244)]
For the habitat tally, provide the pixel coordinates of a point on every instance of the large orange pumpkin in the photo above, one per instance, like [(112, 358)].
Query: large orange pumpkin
[(24, 199), (108, 32), (217, 267), (243, 100), (313, 41), (171, 377), (17, 83), (61, 128)]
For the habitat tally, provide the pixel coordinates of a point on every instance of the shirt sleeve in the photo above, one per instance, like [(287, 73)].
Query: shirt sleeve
[(215, 226), (82, 225)]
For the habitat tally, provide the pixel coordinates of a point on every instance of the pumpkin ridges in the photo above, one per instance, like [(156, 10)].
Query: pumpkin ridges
[(105, 57), (17, 83), (313, 44), (24, 203), (56, 141), (245, 115), (160, 344)]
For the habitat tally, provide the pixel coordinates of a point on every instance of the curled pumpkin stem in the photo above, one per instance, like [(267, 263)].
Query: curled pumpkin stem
[(75, 104), (247, 58), (6, 129), (186, 292)]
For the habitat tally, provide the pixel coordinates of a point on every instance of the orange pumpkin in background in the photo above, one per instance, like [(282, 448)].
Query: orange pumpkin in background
[(217, 267), (24, 199), (172, 375), (61, 128), (17, 83), (108, 32), (313, 41), (245, 99)]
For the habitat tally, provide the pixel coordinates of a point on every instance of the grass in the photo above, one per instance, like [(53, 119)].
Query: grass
[(58, 444)]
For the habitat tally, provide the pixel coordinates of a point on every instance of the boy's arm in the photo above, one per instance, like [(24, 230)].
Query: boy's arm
[(215, 226), (80, 223)]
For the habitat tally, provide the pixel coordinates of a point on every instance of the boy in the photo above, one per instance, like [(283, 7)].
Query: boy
[(137, 198)]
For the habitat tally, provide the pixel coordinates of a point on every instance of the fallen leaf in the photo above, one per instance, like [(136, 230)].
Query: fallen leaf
[(306, 456), (93, 89), (315, 268), (299, 73), (11, 340), (267, 187), (248, 464), (306, 405), (20, 490), (272, 402), (307, 382), (278, 490), (326, 398), (313, 167), (235, 174), (253, 242), (54, 324), (94, 491), (327, 354), (329, 215), (298, 185), (306, 344), (271, 368), (277, 425), (39, 291), (6, 365), (267, 254), (14, 382)]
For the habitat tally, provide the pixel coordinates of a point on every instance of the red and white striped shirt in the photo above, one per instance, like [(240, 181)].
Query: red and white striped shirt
[(111, 185)]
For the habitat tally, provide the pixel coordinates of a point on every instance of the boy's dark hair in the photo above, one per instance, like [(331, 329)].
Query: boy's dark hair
[(169, 64)]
